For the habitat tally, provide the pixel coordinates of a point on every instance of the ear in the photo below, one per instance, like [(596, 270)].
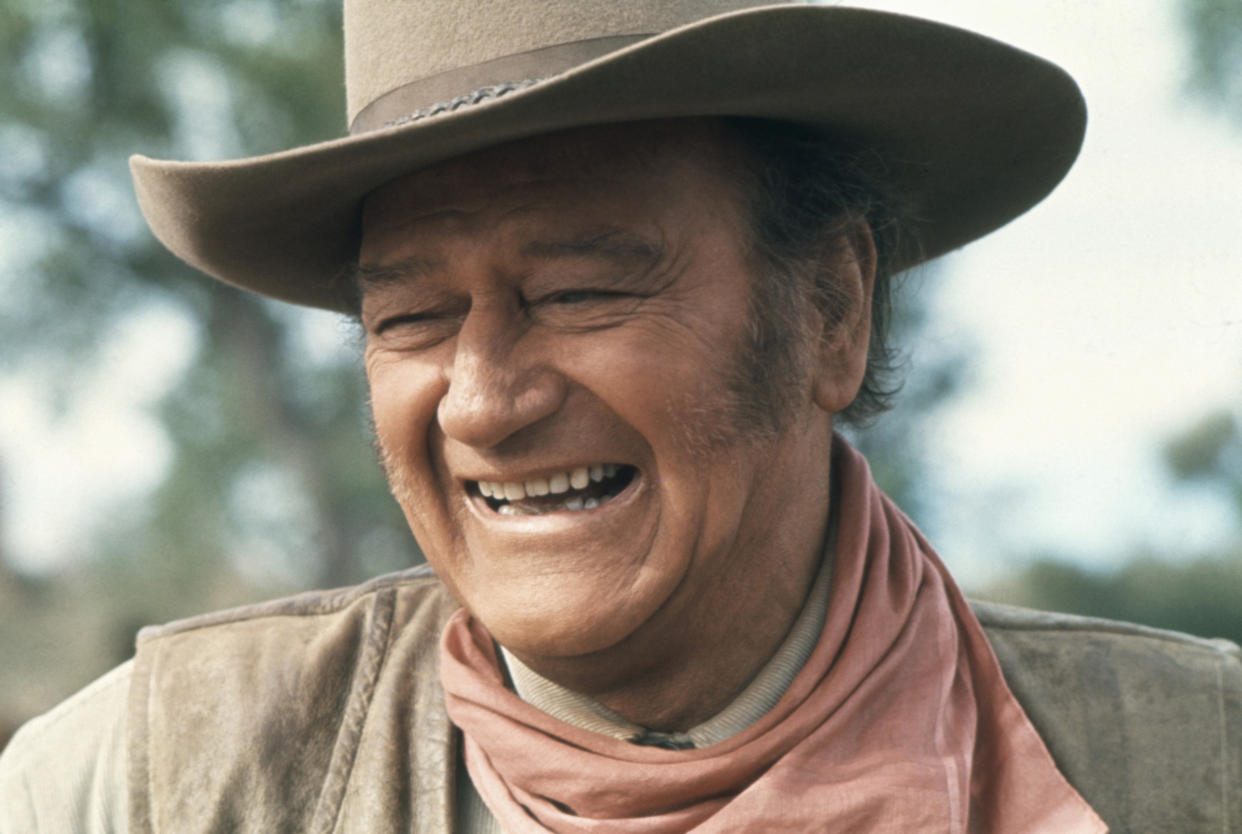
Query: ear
[(843, 342)]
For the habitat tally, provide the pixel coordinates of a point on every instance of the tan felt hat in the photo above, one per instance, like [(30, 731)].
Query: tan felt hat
[(974, 131)]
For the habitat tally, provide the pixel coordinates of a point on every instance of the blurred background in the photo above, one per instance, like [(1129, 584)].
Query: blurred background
[(1068, 436)]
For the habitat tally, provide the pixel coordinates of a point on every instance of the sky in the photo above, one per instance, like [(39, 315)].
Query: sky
[(1101, 322)]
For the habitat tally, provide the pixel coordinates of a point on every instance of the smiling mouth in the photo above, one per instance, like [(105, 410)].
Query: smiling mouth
[(582, 488)]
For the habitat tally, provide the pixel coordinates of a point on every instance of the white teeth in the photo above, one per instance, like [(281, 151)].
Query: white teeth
[(578, 478)]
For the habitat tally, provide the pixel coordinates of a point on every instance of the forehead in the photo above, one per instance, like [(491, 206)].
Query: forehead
[(598, 170)]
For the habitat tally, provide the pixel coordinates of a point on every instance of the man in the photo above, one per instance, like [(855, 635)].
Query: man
[(616, 287)]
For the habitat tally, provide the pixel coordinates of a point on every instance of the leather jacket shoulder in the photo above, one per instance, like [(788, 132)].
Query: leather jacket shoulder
[(1145, 723)]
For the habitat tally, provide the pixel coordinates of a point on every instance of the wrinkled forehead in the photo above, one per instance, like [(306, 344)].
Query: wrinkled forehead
[(604, 157)]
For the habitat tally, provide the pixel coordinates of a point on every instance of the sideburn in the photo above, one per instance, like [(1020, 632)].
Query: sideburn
[(768, 380)]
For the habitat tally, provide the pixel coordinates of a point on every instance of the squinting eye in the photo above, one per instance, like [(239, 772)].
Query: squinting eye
[(585, 296), (397, 321), (415, 331), (574, 296), (582, 309)]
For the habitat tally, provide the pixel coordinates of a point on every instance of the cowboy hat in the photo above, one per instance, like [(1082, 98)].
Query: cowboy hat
[(974, 132)]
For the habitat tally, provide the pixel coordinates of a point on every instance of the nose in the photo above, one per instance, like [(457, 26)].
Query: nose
[(497, 386)]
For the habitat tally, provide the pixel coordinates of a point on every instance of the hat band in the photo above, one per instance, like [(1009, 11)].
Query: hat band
[(442, 92)]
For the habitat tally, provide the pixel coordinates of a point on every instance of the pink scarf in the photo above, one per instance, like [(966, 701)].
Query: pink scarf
[(899, 722)]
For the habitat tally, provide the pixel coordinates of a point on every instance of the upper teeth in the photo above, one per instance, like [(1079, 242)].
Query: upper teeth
[(553, 484)]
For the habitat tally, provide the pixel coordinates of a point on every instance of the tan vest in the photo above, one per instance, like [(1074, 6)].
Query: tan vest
[(324, 713)]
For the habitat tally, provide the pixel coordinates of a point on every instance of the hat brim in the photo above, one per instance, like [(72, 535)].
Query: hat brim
[(974, 133)]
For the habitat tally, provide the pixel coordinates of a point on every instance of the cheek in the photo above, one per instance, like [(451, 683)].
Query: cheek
[(404, 395), (678, 393), (673, 394)]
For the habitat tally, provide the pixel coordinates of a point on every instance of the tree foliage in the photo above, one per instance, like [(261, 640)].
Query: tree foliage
[(1214, 28), (272, 483), (1209, 452), (1202, 596), (1195, 593), (259, 428)]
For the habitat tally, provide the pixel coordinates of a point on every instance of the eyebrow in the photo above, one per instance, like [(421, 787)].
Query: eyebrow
[(610, 245), (367, 277)]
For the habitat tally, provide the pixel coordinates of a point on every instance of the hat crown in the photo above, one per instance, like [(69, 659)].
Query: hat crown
[(393, 43)]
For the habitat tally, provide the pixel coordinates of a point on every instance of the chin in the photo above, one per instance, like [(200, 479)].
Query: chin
[(563, 622)]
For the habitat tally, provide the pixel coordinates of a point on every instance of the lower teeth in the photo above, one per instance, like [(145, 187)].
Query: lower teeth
[(575, 503)]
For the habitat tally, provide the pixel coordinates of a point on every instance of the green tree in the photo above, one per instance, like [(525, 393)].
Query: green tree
[(253, 416), (1209, 453), (1202, 596), (1195, 593), (1214, 28), (272, 483), (1199, 594)]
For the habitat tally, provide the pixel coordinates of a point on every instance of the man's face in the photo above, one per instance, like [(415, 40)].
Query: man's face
[(553, 335)]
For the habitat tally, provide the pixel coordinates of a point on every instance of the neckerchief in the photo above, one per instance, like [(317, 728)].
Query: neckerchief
[(900, 721)]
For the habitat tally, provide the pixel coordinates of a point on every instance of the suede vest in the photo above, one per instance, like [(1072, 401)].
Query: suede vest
[(324, 713)]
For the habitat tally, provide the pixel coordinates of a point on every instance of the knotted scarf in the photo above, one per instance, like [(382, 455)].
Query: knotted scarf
[(900, 721)]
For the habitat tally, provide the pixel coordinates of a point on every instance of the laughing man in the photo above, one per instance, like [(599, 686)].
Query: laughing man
[(621, 267)]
